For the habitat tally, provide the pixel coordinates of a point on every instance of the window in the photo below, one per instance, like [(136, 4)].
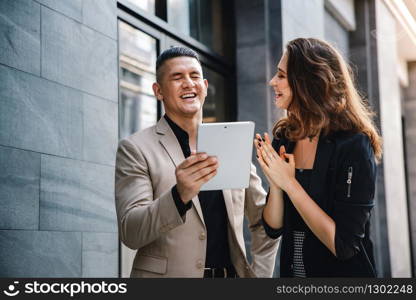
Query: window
[(214, 109), (210, 22), (137, 55), (146, 5), (204, 20)]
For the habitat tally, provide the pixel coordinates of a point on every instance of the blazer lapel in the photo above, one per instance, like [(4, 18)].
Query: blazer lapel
[(170, 143), (229, 206), (320, 169)]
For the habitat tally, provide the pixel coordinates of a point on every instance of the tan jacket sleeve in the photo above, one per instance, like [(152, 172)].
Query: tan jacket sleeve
[(141, 218), (263, 248)]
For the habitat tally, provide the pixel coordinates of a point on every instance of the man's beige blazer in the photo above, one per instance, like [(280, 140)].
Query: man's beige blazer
[(169, 245)]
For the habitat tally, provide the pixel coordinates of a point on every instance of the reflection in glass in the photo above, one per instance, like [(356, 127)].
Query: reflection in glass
[(178, 15), (147, 5), (138, 107), (201, 19), (214, 106)]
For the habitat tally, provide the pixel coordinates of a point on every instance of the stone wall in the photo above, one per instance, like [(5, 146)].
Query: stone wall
[(58, 137)]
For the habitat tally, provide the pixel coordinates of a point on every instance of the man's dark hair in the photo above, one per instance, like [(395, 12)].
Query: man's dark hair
[(172, 53)]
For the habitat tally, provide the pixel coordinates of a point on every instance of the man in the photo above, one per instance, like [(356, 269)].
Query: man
[(178, 230)]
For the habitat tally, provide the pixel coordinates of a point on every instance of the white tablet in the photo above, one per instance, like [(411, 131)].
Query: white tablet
[(232, 144)]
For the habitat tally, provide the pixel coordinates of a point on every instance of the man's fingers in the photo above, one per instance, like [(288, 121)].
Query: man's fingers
[(211, 160), (208, 175), (192, 160)]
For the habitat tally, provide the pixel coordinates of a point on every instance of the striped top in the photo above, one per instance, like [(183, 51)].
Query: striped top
[(299, 226), (296, 231), (298, 267)]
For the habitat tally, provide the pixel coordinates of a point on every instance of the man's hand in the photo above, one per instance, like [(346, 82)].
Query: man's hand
[(192, 173)]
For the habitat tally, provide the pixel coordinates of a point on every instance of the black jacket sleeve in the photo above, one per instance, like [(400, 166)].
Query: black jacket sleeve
[(354, 194)]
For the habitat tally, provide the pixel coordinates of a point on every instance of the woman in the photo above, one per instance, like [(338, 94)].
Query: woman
[(320, 166)]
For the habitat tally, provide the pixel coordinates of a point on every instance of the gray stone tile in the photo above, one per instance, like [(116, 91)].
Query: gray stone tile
[(336, 34), (101, 15), (20, 35), (252, 105), (60, 197), (250, 29), (39, 115), (76, 196), (100, 130), (70, 8), (99, 254), (19, 189), (296, 25), (251, 64), (292, 29), (40, 254), (97, 187), (313, 8), (77, 56)]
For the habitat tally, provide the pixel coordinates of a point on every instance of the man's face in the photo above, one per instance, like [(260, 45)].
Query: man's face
[(182, 87)]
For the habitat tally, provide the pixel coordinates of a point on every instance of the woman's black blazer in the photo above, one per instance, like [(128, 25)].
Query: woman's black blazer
[(343, 185)]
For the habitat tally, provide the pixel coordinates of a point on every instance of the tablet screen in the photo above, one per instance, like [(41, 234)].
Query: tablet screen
[(232, 144)]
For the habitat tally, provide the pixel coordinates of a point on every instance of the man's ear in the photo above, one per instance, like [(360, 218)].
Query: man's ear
[(206, 87), (157, 91)]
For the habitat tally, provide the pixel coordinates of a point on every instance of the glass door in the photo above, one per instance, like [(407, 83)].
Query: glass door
[(138, 108), (140, 42)]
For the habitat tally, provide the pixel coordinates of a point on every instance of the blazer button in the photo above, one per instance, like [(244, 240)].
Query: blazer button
[(202, 236), (200, 264)]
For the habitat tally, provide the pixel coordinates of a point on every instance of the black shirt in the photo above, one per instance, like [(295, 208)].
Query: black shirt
[(213, 210)]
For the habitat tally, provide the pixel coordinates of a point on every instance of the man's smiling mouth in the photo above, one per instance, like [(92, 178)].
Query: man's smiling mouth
[(188, 96)]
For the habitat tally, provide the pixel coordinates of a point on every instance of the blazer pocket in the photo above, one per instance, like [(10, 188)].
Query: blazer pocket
[(150, 263)]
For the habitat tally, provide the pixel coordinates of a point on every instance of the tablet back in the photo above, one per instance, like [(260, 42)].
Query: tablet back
[(232, 144)]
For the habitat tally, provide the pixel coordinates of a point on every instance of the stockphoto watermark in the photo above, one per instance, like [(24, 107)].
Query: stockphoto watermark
[(71, 289)]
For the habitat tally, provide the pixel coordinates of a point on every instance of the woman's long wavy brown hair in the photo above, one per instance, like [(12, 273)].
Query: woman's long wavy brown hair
[(324, 98)]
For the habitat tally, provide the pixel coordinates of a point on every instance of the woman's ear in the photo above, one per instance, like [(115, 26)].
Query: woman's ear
[(157, 91)]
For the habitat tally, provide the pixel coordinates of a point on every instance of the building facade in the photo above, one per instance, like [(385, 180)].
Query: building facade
[(76, 76)]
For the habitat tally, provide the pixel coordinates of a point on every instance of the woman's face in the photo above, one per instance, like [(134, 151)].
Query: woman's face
[(280, 84)]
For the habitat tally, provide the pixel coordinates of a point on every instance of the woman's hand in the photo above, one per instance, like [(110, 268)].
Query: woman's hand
[(278, 172)]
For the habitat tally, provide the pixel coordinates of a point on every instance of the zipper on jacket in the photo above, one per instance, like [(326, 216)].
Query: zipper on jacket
[(349, 180)]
